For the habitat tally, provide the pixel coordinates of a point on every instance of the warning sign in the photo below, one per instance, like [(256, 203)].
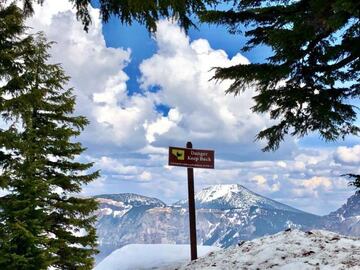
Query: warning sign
[(191, 158)]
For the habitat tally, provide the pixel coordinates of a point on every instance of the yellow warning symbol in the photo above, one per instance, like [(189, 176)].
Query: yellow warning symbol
[(179, 154)]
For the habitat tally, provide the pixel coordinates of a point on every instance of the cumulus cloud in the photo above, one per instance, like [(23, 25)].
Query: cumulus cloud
[(145, 176), (316, 181), (113, 165), (312, 186), (199, 109), (350, 155), (259, 179), (281, 164), (183, 69), (97, 75), (263, 184), (162, 125)]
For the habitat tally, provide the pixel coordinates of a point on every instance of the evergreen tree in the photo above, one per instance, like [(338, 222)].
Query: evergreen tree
[(309, 81), (42, 222)]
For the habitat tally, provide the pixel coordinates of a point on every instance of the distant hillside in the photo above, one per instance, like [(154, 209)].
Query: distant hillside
[(345, 220)]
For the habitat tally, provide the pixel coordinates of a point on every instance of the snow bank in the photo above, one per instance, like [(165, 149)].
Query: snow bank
[(159, 256), (289, 250)]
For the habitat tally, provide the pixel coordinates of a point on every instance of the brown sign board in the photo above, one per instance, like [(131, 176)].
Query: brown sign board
[(191, 158)]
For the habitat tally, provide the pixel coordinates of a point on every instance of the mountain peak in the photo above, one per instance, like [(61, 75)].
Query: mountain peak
[(233, 196), (350, 208), (215, 192)]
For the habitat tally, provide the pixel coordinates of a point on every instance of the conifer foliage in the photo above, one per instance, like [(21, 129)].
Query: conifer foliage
[(308, 83), (311, 80), (42, 221), (146, 12)]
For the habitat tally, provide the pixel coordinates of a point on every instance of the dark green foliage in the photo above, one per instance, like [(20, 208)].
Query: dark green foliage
[(146, 12), (42, 224), (313, 74)]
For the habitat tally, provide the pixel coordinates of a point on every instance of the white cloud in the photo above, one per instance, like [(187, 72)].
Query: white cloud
[(298, 166), (113, 165), (312, 186), (145, 176), (97, 76), (317, 181), (312, 159), (263, 184), (349, 155), (275, 187), (182, 69), (260, 180), (199, 109), (162, 125), (281, 164)]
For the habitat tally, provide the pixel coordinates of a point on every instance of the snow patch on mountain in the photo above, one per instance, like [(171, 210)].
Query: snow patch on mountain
[(288, 250), (218, 191), (141, 257), (124, 199), (111, 202)]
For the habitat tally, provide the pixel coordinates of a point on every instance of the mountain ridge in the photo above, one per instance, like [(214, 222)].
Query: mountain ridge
[(130, 198), (346, 219), (218, 197), (233, 215)]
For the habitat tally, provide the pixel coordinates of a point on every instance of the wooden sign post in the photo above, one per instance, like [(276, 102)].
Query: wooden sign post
[(191, 158), (192, 216)]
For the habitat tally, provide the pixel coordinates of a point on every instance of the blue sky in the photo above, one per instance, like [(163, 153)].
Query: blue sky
[(145, 92)]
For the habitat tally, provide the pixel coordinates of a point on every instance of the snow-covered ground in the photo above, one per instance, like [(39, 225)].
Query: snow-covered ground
[(157, 256), (289, 250)]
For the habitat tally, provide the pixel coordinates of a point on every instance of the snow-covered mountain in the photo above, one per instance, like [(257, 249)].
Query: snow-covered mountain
[(226, 215), (225, 197), (288, 250), (345, 220)]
